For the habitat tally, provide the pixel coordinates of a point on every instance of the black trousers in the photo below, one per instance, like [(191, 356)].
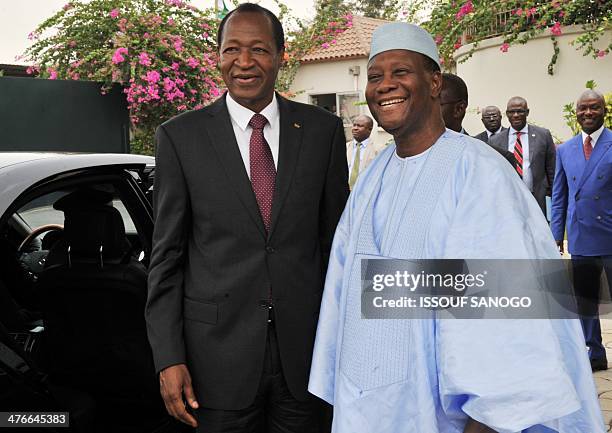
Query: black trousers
[(274, 410)]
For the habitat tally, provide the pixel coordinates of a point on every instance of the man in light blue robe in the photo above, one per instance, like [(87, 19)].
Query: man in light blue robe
[(437, 194)]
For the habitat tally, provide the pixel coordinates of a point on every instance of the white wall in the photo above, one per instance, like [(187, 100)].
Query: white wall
[(494, 77), (334, 77)]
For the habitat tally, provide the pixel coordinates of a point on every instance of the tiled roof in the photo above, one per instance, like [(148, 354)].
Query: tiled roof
[(353, 42)]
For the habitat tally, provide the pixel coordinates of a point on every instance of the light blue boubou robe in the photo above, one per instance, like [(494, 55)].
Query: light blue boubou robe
[(460, 199)]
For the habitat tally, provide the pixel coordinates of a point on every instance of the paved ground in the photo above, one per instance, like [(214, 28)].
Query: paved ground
[(603, 379)]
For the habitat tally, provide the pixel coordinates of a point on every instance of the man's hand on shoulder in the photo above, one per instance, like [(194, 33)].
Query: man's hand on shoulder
[(174, 384)]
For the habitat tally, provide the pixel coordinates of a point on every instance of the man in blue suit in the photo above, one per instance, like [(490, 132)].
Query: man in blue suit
[(582, 202)]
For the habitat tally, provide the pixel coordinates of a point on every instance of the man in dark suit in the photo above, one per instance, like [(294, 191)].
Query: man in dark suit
[(491, 119), (454, 102), (533, 149), (248, 192), (582, 203)]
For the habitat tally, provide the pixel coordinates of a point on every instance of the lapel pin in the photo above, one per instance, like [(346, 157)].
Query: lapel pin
[(297, 125)]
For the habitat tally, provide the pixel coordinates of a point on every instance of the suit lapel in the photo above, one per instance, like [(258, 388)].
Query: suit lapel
[(221, 134), (601, 147), (533, 141), (290, 142)]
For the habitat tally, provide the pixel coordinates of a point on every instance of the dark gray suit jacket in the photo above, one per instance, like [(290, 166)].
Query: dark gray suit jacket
[(483, 136), (542, 160), (213, 266)]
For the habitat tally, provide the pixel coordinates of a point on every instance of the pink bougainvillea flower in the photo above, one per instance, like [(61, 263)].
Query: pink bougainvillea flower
[(504, 47), (75, 76), (170, 22), (178, 44), (325, 45), (533, 11), (122, 24), (556, 29), (118, 55), (518, 12), (152, 77), (192, 63), (438, 39), (52, 73), (467, 8), (114, 13), (561, 14), (146, 35), (601, 53), (67, 6), (144, 59), (175, 66), (333, 41), (457, 45), (177, 3), (32, 35)]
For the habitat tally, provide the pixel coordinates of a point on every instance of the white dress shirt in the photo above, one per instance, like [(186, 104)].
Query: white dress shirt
[(364, 145), (489, 134), (241, 116), (527, 176), (594, 136)]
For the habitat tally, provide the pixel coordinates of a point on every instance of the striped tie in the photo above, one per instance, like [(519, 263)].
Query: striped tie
[(518, 154)]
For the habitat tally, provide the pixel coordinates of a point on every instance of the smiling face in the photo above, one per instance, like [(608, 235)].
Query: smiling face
[(517, 112), (590, 111), (249, 59), (402, 93)]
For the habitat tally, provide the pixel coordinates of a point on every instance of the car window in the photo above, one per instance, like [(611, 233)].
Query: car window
[(40, 211)]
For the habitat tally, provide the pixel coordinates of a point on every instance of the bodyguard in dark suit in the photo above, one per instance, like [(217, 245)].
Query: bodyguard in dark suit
[(454, 102), (491, 119), (533, 148), (582, 204), (248, 192)]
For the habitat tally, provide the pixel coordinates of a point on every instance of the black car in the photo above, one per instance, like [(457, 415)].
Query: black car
[(75, 240)]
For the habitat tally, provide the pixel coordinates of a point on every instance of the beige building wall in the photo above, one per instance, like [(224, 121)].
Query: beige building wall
[(334, 77), (493, 77)]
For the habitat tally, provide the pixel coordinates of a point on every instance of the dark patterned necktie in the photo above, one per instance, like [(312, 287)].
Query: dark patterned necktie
[(588, 147), (518, 154), (263, 172)]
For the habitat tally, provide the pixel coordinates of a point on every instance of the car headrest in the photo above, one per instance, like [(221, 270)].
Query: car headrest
[(93, 228)]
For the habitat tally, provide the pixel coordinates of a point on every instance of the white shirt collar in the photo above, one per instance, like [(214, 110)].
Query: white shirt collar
[(242, 115), (489, 133), (364, 143), (522, 131), (594, 136)]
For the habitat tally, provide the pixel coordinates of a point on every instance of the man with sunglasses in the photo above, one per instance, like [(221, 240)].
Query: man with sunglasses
[(533, 149)]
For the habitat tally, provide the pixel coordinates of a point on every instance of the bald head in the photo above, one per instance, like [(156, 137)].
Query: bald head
[(590, 111)]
